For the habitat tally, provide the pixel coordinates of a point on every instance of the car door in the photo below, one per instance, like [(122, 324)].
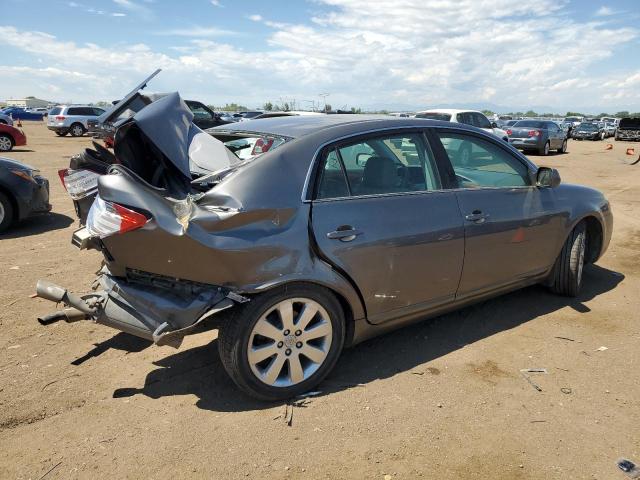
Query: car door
[(555, 140), (512, 227), (382, 216)]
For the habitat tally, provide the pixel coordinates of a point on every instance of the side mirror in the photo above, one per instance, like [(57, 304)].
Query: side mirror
[(494, 125), (547, 177)]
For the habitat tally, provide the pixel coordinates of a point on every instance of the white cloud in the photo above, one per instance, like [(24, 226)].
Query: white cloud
[(140, 10), (416, 52), (216, 3), (198, 32), (118, 14), (605, 12)]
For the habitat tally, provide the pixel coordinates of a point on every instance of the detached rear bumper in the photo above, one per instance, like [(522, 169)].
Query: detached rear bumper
[(157, 313)]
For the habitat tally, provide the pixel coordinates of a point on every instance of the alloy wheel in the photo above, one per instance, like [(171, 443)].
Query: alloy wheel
[(289, 342), (5, 143), (76, 131)]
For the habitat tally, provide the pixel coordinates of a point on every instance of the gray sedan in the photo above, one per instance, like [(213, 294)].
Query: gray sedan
[(538, 136), (350, 227)]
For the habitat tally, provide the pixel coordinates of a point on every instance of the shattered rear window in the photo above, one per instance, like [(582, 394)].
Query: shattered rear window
[(250, 145)]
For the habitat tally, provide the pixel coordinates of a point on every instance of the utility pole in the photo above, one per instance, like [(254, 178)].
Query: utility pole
[(324, 97)]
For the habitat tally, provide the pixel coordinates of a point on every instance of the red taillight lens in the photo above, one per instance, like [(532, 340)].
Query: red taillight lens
[(107, 218), (509, 131), (262, 145), (60, 118), (534, 133), (78, 183)]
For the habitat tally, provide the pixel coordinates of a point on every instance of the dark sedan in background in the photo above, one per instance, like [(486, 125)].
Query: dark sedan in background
[(23, 192), (588, 131), (539, 136)]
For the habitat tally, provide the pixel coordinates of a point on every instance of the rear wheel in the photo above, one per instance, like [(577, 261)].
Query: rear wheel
[(283, 342), (566, 276), (544, 150), (76, 130), (6, 212), (563, 148), (6, 143)]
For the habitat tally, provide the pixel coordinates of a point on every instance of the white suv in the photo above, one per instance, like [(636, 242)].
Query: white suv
[(72, 119), (469, 117)]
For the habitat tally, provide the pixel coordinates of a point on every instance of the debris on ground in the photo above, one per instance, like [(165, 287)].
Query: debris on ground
[(525, 371), (566, 390), (601, 349), (565, 338), (630, 469)]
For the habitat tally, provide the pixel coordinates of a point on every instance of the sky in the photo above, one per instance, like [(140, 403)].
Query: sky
[(551, 55)]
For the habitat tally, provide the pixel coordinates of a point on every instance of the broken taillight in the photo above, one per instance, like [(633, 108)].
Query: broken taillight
[(262, 145), (108, 218), (78, 183)]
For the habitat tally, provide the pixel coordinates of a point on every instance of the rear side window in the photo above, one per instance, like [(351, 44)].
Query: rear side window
[(480, 163), (55, 111), (380, 165), (73, 111)]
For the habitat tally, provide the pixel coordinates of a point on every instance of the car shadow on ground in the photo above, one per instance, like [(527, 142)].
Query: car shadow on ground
[(121, 341), (198, 371), (37, 225)]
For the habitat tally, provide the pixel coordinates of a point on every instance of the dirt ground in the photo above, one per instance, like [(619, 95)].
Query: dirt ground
[(444, 399)]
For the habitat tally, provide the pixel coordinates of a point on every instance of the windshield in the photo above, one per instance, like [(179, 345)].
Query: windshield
[(587, 126), (443, 117), (529, 124)]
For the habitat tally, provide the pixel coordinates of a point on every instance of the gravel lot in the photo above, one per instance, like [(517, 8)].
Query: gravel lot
[(443, 399)]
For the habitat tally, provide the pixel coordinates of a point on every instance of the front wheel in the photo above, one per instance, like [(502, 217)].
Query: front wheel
[(566, 276), (6, 212), (563, 148), (283, 342), (6, 143)]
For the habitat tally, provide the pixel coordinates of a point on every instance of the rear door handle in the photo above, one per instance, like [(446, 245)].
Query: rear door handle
[(477, 217), (345, 233)]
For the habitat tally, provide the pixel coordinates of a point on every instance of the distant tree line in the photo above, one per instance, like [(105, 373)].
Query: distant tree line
[(531, 113)]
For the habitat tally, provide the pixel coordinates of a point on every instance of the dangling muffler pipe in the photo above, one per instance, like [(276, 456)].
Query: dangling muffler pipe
[(69, 315), (55, 293)]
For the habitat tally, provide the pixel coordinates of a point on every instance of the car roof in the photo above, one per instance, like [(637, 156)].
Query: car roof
[(452, 111), (300, 125)]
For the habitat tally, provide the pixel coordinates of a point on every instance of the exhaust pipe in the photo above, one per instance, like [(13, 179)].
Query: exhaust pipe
[(57, 294), (69, 315)]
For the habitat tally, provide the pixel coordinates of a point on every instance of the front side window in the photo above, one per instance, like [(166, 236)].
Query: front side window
[(480, 163), (199, 112), (380, 165)]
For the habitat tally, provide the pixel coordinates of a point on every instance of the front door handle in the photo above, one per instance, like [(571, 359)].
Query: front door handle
[(477, 217), (344, 233)]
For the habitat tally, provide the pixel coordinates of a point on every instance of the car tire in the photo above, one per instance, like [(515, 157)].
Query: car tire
[(6, 143), (62, 133), (6, 212), (76, 130), (566, 276), (563, 148), (272, 377), (544, 151)]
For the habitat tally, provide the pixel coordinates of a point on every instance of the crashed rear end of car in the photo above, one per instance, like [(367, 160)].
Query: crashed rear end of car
[(170, 242)]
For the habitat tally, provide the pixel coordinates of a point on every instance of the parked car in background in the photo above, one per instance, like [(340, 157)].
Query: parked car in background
[(6, 119), (11, 137), (539, 136), (23, 192), (40, 110), (628, 129), (575, 121), (279, 252), (588, 131), (227, 117), (248, 115), (72, 119), (610, 120), (609, 129), (468, 117), (21, 114)]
